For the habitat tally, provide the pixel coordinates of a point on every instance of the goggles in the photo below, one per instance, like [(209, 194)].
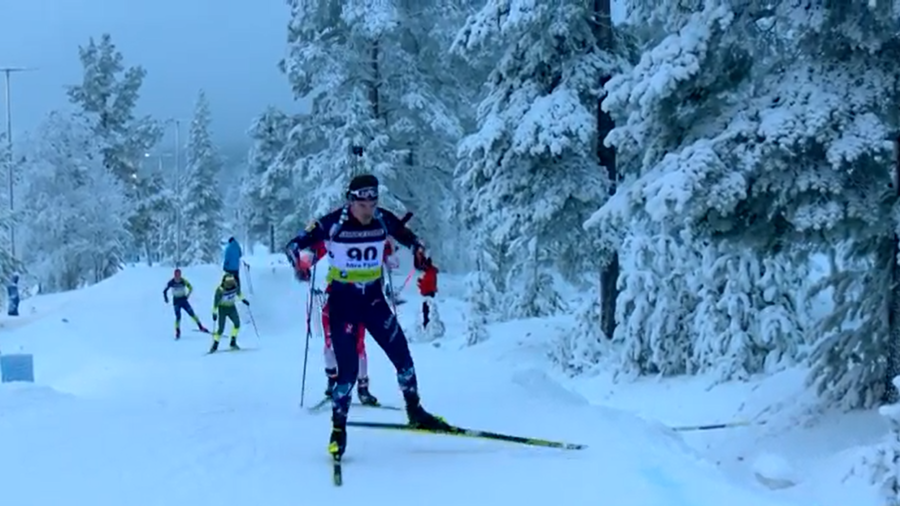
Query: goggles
[(370, 193)]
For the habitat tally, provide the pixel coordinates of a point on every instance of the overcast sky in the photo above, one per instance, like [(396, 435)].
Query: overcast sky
[(228, 47)]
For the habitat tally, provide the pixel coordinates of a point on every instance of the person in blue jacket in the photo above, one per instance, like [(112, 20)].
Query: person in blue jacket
[(12, 292), (232, 263)]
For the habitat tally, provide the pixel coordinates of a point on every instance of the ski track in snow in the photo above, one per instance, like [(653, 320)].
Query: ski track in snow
[(124, 415)]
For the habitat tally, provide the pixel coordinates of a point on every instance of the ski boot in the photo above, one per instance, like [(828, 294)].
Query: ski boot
[(362, 391), (421, 419), (177, 333), (202, 328), (337, 445), (233, 344), (332, 379), (215, 345)]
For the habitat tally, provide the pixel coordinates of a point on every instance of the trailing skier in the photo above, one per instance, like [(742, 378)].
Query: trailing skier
[(181, 290), (354, 235), (303, 267), (224, 307)]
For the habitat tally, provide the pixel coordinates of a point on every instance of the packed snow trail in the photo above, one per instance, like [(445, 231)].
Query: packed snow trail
[(124, 415)]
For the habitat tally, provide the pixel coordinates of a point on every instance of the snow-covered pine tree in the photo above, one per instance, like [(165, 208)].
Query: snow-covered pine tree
[(884, 464), (107, 96), (747, 319), (74, 206), (9, 264), (201, 201), (267, 193), (336, 60), (482, 300), (529, 171), (378, 79), (655, 303), (581, 350), (846, 184), (740, 135)]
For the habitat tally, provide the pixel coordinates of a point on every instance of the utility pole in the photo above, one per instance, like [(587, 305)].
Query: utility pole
[(7, 71), (177, 193)]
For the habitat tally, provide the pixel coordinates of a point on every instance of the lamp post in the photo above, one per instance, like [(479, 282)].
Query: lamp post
[(178, 176), (8, 71)]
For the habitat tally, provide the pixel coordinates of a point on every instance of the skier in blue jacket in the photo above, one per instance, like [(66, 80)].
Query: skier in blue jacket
[(232, 263)]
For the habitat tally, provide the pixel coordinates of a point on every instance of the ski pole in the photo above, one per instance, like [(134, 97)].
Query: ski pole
[(715, 426), (253, 321), (249, 280), (309, 308), (390, 272)]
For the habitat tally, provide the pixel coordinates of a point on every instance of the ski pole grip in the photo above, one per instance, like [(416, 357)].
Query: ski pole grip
[(406, 217)]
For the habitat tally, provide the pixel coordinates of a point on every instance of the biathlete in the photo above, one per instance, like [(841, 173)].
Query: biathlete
[(224, 308), (181, 290), (354, 236)]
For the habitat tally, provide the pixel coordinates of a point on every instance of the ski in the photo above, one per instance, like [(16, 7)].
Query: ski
[(319, 406), (472, 433), (229, 350), (336, 471), (376, 406)]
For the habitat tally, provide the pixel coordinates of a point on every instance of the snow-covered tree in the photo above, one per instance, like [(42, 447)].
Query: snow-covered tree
[(748, 122), (374, 73), (108, 96), (582, 349), (9, 265), (268, 194), (529, 172), (747, 319), (74, 206), (654, 305), (884, 463), (201, 201), (482, 300)]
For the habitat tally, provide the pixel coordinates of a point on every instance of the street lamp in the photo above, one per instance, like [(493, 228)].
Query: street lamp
[(178, 218), (8, 71)]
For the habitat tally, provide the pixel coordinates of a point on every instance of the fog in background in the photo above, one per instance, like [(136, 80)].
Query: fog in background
[(230, 48)]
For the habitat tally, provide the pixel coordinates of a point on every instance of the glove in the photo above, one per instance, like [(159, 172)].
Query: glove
[(420, 259), (303, 275), (215, 316), (246, 302), (166, 298), (393, 262), (428, 282)]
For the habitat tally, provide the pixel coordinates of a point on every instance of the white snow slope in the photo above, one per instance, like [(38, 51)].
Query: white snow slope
[(123, 415)]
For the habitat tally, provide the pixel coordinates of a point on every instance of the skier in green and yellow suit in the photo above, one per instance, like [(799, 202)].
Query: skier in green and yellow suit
[(223, 307)]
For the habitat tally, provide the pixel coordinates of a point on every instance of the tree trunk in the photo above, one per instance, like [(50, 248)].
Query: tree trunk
[(606, 155), (375, 84), (893, 346)]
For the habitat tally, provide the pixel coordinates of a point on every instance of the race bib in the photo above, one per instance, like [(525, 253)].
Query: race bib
[(349, 257)]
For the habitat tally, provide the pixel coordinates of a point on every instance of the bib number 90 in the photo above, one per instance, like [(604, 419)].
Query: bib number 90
[(358, 254)]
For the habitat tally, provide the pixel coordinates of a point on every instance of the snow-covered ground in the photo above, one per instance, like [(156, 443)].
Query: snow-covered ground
[(122, 414), (781, 445)]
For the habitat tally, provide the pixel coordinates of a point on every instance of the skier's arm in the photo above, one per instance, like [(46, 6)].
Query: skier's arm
[(190, 289), (166, 290), (397, 229), (314, 233)]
